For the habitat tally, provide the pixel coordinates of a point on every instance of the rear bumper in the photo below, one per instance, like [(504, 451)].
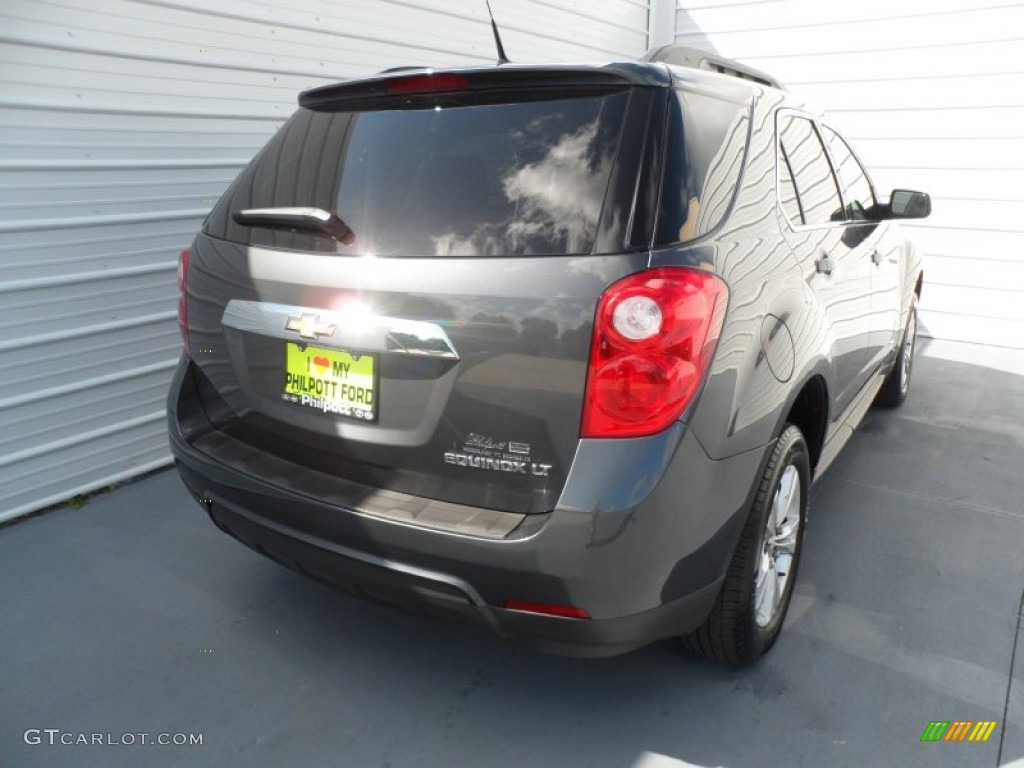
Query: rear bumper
[(640, 538)]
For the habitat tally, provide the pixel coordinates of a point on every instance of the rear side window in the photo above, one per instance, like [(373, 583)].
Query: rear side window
[(816, 188), (705, 151), (526, 178), (860, 198)]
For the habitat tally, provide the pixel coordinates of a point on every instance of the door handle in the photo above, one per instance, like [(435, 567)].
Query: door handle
[(876, 256), (825, 265)]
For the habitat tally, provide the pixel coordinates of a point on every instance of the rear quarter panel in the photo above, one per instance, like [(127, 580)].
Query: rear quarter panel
[(756, 366)]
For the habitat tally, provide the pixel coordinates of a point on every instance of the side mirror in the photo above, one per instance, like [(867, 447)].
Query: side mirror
[(907, 204)]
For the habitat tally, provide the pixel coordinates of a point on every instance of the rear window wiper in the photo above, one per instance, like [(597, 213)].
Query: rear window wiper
[(311, 219)]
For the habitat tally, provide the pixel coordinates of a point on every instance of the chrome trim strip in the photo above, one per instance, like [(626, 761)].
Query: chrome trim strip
[(348, 329)]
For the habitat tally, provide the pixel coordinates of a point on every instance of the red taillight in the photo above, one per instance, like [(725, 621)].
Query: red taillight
[(428, 84), (565, 611), (654, 336), (182, 299)]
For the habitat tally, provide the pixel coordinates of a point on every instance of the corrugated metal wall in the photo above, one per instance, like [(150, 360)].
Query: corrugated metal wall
[(930, 92), (121, 121)]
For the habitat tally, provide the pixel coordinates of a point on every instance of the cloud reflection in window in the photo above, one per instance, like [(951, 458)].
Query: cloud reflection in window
[(557, 202)]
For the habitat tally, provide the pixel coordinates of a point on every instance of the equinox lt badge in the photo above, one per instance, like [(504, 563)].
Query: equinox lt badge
[(483, 452), (497, 465)]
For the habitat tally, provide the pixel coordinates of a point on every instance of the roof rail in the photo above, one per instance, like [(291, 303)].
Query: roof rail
[(392, 70), (695, 58)]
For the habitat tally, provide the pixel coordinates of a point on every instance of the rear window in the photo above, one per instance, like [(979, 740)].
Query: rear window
[(526, 178)]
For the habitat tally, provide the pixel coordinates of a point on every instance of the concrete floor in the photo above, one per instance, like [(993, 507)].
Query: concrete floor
[(135, 615)]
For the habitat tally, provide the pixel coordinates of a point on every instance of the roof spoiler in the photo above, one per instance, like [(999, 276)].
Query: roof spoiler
[(695, 58), (404, 83)]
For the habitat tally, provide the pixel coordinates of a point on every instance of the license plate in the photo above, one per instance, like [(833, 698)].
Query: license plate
[(331, 380)]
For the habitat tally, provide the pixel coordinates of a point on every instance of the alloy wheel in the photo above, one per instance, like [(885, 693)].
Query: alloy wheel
[(907, 353), (778, 547)]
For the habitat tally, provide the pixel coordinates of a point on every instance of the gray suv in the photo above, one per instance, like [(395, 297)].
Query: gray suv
[(553, 350)]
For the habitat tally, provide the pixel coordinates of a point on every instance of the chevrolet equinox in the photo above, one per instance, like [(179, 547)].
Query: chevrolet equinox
[(553, 350)]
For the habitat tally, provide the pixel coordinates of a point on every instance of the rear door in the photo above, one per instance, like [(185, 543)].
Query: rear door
[(836, 266), (438, 348)]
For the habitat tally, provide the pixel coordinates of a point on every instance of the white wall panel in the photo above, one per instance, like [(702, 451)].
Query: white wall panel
[(979, 272), (932, 95), (121, 122)]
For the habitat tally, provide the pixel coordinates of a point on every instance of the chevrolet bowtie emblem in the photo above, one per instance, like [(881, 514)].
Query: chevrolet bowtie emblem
[(308, 326)]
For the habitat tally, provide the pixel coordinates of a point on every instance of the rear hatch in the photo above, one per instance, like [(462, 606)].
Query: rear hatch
[(400, 289)]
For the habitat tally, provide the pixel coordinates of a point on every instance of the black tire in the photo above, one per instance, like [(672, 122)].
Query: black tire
[(897, 384), (734, 633)]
